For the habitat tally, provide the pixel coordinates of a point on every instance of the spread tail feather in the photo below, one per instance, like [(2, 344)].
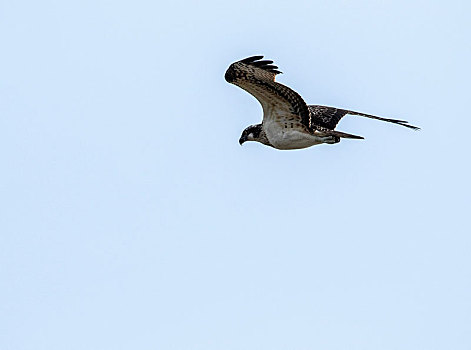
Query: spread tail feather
[(341, 134)]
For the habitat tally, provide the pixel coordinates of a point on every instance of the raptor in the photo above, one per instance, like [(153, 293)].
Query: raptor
[(288, 122)]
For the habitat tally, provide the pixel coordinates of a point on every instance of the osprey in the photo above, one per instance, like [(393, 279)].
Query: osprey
[(288, 122)]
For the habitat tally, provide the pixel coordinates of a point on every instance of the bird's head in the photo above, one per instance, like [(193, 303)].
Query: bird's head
[(253, 133)]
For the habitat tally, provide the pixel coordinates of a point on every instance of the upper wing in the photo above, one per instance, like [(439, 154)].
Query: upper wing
[(329, 117), (257, 77)]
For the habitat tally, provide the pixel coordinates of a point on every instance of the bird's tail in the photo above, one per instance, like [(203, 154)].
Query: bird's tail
[(340, 134), (395, 121)]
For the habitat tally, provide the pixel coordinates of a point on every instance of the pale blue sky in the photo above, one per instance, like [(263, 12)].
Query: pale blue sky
[(130, 217)]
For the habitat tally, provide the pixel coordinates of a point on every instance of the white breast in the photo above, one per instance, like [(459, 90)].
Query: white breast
[(282, 137), (292, 139)]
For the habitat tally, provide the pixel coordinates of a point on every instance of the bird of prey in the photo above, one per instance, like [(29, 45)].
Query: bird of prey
[(288, 122)]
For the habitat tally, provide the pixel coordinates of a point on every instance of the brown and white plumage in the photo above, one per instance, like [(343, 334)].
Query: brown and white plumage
[(288, 122)]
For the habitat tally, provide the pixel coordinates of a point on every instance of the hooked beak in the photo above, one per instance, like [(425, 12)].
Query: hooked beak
[(242, 140)]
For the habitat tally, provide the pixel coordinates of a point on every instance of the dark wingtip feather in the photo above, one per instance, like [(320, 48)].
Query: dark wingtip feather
[(251, 59), (416, 128), (262, 63), (395, 121), (403, 123), (265, 64)]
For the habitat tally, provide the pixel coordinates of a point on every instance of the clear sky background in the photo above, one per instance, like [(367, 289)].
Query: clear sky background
[(130, 217)]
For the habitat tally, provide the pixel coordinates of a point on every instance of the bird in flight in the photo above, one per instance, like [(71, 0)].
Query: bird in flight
[(288, 122)]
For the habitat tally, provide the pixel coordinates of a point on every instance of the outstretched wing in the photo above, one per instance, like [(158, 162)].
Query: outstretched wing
[(329, 117), (279, 102)]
